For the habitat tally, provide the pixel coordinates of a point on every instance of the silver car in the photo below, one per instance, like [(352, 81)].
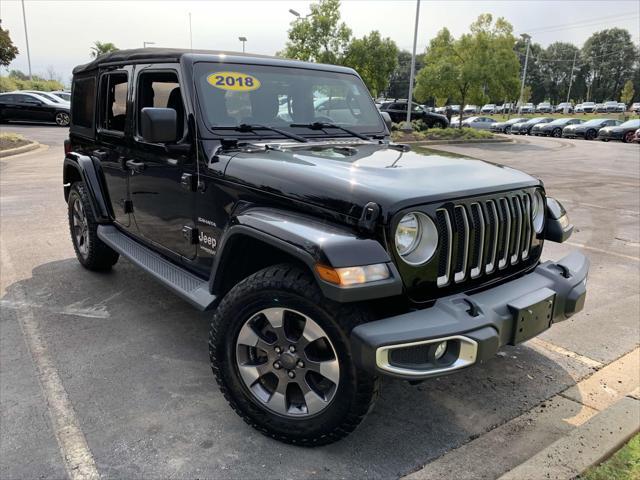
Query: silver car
[(481, 123)]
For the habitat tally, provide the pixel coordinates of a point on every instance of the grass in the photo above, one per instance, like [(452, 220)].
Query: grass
[(441, 134), (12, 140), (623, 465)]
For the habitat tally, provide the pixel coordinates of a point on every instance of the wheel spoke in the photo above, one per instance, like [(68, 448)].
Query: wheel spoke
[(314, 402), (312, 331), (251, 373), (329, 369), (275, 317), (278, 400)]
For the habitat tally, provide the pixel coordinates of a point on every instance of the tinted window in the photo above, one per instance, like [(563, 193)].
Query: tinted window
[(114, 97), (83, 107), (29, 99)]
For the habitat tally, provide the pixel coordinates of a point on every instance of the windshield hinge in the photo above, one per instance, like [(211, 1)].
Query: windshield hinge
[(370, 214)]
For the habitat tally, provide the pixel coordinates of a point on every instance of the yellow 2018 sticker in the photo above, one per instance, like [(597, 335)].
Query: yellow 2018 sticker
[(235, 81)]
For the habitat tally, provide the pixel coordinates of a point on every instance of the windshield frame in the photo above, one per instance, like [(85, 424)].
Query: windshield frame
[(228, 132)]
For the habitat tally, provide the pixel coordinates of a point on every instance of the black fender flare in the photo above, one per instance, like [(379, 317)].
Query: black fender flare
[(83, 166), (311, 241)]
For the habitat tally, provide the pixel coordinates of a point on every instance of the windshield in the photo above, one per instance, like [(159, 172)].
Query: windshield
[(588, 104), (560, 121), (51, 98), (595, 122), (631, 123), (234, 94)]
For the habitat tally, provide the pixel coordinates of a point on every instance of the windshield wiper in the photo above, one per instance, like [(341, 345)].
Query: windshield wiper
[(245, 127), (323, 125)]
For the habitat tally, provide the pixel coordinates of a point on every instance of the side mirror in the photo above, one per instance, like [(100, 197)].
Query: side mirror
[(558, 227), (158, 125), (387, 119)]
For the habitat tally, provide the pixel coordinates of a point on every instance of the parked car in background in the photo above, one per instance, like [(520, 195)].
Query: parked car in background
[(488, 109), (397, 110), (610, 107), (554, 129), (635, 108), (624, 131), (470, 109), (66, 96), (505, 108), (544, 107), (589, 130), (579, 108), (528, 108), (588, 107), (505, 127), (480, 123), (621, 108), (524, 128), (636, 137), (32, 107), (600, 108), (561, 107), (455, 109), (47, 95)]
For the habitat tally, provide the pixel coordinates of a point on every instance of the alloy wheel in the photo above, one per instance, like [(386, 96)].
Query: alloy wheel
[(80, 228), (287, 362), (62, 119), (628, 137)]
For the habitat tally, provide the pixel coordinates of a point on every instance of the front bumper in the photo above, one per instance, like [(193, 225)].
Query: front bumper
[(474, 326)]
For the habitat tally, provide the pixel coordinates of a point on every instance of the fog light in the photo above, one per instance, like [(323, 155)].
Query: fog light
[(440, 350)]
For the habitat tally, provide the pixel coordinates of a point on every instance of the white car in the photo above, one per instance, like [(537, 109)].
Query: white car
[(579, 108), (480, 123), (51, 99), (635, 108), (470, 109), (489, 108), (66, 96), (588, 107), (528, 108)]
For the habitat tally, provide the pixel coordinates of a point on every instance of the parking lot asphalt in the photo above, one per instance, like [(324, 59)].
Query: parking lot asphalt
[(115, 366)]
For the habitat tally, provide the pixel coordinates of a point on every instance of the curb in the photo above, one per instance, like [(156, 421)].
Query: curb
[(459, 142), (23, 149), (547, 431), (588, 445)]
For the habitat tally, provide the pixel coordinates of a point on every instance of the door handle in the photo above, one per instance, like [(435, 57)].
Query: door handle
[(135, 166)]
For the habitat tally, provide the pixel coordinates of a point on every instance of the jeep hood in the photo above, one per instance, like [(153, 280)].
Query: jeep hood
[(344, 178)]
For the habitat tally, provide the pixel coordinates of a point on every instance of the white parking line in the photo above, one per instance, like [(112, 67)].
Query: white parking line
[(600, 250), (73, 446)]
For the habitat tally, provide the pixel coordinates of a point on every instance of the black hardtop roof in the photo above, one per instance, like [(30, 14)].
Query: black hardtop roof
[(168, 55)]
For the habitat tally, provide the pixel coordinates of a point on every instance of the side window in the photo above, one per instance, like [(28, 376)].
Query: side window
[(160, 90), (84, 101), (114, 102)]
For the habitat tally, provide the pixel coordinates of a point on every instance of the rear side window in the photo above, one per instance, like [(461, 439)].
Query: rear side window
[(84, 101), (113, 98)]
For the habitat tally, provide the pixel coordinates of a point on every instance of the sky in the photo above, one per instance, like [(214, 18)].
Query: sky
[(61, 32)]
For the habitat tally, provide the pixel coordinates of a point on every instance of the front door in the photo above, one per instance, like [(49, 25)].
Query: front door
[(160, 179)]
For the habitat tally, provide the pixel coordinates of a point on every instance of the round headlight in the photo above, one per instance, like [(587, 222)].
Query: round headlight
[(416, 238), (537, 212)]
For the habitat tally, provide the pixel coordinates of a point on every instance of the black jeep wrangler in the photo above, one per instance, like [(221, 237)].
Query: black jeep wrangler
[(267, 191)]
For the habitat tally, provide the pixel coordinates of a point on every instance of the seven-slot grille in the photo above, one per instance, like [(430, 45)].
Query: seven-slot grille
[(482, 236)]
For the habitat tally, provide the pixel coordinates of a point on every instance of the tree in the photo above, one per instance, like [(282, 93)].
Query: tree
[(627, 93), (611, 57), (556, 64), (374, 58), (320, 37), (8, 51), (18, 74), (526, 93), (399, 81), (102, 48), (535, 76), (475, 67)]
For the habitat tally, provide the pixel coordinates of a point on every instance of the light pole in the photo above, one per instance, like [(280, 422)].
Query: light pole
[(407, 126), (573, 67), (26, 38), (295, 13), (190, 33), (144, 44), (526, 61), (243, 40)]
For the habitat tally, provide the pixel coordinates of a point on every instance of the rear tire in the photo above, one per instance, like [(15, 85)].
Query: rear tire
[(628, 137), (91, 252), (590, 134), (257, 324), (557, 132), (62, 119)]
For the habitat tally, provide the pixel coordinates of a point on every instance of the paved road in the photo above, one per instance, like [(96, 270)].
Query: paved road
[(40, 132), (125, 369)]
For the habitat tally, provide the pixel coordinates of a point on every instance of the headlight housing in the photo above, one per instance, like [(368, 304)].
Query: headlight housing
[(538, 211), (416, 238)]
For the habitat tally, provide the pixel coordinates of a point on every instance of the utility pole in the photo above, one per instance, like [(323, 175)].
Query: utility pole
[(413, 67), (190, 34), (573, 67), (526, 62), (243, 40), (26, 37)]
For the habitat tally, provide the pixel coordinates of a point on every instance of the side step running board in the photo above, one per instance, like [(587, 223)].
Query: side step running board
[(188, 286)]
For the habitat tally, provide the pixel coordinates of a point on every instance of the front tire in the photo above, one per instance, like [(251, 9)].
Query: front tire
[(628, 137), (557, 133), (91, 252), (590, 134), (281, 356)]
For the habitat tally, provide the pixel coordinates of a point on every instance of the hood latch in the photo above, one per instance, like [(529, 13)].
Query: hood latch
[(370, 214)]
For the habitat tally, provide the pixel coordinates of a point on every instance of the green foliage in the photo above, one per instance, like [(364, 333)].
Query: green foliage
[(321, 37), (441, 134), (11, 83), (399, 81), (473, 68), (557, 74), (611, 58), (627, 93), (18, 75), (102, 48), (526, 93), (623, 465), (8, 51), (374, 58)]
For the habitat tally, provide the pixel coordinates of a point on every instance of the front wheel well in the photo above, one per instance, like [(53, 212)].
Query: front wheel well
[(245, 256)]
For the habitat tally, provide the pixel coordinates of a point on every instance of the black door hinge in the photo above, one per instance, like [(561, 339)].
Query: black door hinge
[(128, 206), (188, 182), (190, 234), (369, 217)]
